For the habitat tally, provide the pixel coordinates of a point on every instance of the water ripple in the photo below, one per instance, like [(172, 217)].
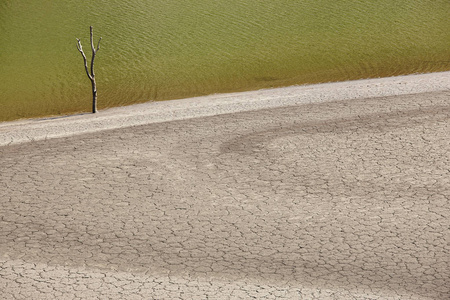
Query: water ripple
[(156, 50)]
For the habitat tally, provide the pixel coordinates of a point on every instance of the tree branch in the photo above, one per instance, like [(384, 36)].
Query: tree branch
[(91, 31), (94, 51), (80, 48), (98, 44)]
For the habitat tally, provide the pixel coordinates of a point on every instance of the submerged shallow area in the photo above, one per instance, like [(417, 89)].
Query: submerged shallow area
[(159, 50)]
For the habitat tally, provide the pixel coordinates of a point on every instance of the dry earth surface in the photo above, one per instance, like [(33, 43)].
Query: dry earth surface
[(335, 200)]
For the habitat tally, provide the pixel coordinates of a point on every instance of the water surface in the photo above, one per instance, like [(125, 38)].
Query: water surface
[(158, 50)]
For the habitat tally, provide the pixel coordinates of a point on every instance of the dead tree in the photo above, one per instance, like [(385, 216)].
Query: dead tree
[(91, 75)]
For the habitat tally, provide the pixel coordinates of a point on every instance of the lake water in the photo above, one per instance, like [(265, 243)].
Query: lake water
[(167, 49)]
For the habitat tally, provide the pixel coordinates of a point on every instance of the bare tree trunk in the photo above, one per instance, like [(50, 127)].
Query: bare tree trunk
[(91, 75)]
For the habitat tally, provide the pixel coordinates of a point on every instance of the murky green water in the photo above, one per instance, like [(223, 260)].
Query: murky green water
[(166, 49)]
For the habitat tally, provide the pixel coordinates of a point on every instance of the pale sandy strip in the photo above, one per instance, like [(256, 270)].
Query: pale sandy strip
[(152, 112)]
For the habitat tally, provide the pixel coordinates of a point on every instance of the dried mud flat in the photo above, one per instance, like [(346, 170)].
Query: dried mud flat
[(306, 199)]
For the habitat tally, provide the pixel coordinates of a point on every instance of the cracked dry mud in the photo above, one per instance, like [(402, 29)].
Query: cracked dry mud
[(339, 200)]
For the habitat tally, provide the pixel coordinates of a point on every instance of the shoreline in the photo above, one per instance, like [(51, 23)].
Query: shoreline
[(22, 131)]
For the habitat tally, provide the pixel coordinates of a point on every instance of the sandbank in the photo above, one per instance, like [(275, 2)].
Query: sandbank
[(22, 131)]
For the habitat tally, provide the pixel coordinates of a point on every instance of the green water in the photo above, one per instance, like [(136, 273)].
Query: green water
[(167, 49)]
